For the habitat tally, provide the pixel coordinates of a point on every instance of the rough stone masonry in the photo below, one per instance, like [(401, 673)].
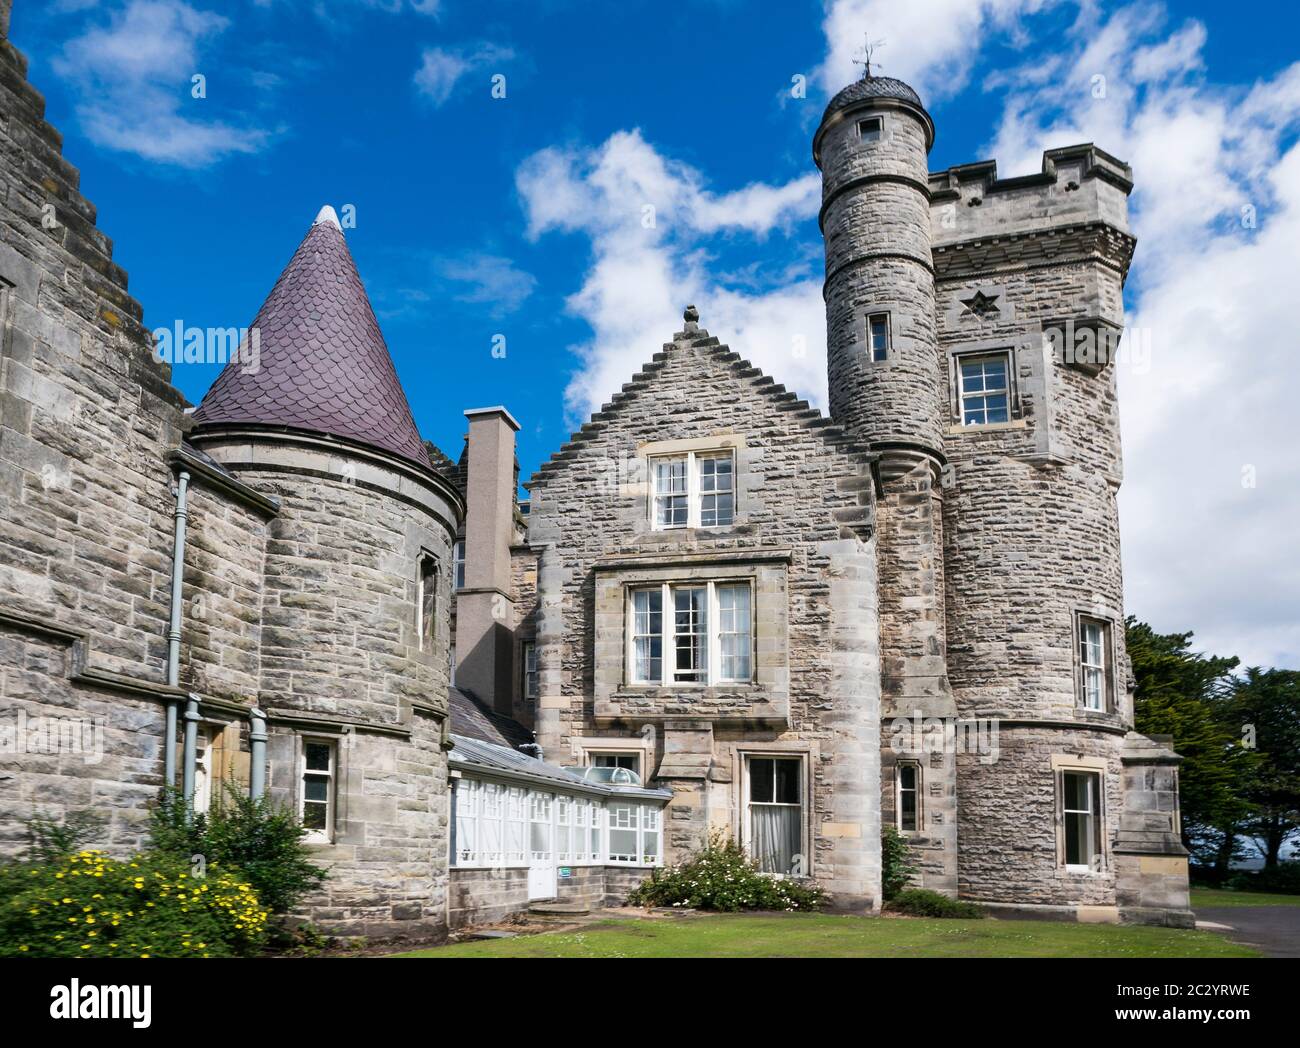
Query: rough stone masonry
[(840, 599)]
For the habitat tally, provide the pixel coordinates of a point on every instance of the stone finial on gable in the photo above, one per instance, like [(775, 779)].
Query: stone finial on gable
[(692, 318)]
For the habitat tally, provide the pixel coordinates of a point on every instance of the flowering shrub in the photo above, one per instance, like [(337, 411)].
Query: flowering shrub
[(263, 841), (721, 877), (88, 905)]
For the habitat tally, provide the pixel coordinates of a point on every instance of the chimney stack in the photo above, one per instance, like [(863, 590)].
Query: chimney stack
[(485, 605)]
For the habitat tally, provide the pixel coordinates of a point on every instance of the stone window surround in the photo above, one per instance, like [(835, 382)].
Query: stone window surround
[(335, 742), (521, 664), (919, 831), (693, 494), (1063, 762), (767, 572), (986, 348), (584, 746), (718, 442), (426, 556), (669, 637), (869, 351), (807, 753), (1108, 619)]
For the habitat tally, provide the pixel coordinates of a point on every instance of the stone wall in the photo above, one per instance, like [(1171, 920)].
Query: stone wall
[(802, 487), (1009, 822), (342, 660), (480, 897), (86, 418)]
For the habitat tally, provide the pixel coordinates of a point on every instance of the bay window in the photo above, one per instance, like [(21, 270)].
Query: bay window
[(693, 490), (706, 633)]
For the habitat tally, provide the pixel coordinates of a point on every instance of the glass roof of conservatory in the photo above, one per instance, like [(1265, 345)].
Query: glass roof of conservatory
[(475, 755)]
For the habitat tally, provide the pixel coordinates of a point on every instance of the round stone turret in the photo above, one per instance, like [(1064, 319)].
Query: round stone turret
[(884, 368)]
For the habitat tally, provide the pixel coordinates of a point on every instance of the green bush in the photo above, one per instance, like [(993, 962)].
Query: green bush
[(1284, 879), (896, 868), (721, 877), (88, 905), (263, 841), (921, 902)]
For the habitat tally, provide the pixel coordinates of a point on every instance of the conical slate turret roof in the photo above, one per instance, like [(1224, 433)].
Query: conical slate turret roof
[(323, 365)]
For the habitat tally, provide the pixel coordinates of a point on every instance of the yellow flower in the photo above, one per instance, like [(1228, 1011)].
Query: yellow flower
[(23, 948)]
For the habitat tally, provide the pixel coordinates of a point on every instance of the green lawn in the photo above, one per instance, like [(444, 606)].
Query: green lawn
[(1204, 897), (820, 935)]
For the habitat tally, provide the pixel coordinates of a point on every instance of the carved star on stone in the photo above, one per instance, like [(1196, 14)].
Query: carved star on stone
[(981, 305)]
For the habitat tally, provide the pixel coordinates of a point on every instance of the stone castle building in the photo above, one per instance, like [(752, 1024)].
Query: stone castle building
[(717, 610)]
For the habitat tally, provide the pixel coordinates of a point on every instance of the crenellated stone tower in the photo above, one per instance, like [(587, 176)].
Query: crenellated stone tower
[(885, 375)]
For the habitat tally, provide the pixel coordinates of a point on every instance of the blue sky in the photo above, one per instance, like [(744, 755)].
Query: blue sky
[(522, 216)]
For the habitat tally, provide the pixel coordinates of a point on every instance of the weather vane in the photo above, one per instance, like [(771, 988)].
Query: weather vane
[(868, 50)]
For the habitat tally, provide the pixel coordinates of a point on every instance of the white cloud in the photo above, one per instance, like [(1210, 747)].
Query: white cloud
[(649, 219), (1203, 549), (489, 280), (132, 75), (931, 45), (441, 68)]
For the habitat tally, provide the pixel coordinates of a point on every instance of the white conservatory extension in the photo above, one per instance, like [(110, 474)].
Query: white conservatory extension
[(524, 831)]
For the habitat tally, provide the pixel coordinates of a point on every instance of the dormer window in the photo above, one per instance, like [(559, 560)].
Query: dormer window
[(869, 130), (878, 336), (694, 490)]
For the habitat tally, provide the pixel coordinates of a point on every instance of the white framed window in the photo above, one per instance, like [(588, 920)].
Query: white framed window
[(706, 636), (878, 336), (529, 671), (869, 129), (426, 603), (908, 803), (635, 833), (317, 788), (1094, 663), (516, 826), (1080, 793), (693, 490), (458, 563), (203, 769), (774, 813), (984, 388), (596, 827), (540, 838), (629, 760)]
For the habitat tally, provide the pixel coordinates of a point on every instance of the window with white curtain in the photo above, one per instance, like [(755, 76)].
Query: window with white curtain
[(774, 813), (705, 637), (693, 490)]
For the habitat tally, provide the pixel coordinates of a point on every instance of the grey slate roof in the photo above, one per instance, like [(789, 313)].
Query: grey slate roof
[(872, 87), (324, 366), (474, 720)]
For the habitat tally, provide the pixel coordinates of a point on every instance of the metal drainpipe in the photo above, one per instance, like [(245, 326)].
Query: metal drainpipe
[(174, 624), (188, 758), (257, 750)]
